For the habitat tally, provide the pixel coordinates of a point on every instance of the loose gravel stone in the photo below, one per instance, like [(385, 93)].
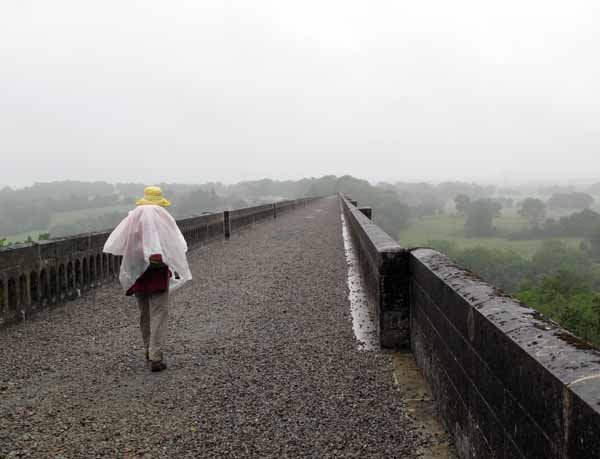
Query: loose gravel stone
[(262, 363)]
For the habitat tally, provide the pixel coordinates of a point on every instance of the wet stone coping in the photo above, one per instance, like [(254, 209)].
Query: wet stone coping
[(384, 267), (507, 378)]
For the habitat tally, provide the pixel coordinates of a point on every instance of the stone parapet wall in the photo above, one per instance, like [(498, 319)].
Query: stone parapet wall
[(32, 276), (509, 383), (35, 275), (198, 230), (384, 267), (244, 217), (285, 206)]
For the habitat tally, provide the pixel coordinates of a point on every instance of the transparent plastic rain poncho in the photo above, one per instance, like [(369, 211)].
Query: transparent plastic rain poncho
[(149, 230)]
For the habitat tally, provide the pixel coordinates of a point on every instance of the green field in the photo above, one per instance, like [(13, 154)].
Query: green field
[(66, 218), (23, 236), (451, 228)]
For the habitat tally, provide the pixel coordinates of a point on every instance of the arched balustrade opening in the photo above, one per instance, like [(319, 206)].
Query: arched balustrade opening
[(13, 300), (53, 284), (70, 277), (92, 269), (34, 287), (43, 286), (105, 269), (2, 303), (85, 273), (77, 274), (99, 275), (62, 282), (23, 301)]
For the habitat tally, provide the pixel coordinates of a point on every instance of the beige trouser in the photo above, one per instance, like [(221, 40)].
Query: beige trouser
[(154, 316)]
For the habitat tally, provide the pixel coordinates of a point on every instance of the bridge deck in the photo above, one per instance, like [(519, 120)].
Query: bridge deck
[(262, 363)]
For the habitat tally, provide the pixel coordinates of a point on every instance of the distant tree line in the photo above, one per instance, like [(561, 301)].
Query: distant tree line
[(31, 209), (395, 205), (573, 200), (480, 215), (584, 224), (390, 213)]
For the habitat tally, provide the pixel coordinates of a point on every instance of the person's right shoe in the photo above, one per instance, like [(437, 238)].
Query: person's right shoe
[(157, 365)]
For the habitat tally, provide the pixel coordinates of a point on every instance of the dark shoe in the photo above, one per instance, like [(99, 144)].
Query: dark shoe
[(157, 365)]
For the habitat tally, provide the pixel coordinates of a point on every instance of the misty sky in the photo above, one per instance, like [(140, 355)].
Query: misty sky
[(230, 90)]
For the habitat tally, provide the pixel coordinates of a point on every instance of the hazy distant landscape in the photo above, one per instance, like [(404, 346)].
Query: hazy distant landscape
[(540, 244), (417, 214)]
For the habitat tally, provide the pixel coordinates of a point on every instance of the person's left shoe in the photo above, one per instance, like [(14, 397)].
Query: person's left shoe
[(157, 365)]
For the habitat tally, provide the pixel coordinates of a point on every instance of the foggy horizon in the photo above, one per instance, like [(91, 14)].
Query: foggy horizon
[(506, 182), (192, 93)]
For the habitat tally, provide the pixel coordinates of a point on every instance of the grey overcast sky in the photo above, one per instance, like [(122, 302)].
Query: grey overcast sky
[(228, 90)]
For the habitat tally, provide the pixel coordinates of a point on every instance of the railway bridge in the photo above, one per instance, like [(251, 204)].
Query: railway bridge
[(306, 332)]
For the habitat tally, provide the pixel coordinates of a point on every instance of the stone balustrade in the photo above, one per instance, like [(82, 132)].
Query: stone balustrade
[(509, 383), (36, 275)]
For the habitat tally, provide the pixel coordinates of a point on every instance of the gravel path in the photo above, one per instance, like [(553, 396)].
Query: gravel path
[(262, 363)]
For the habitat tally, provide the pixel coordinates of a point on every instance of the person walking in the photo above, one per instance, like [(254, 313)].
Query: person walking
[(154, 264)]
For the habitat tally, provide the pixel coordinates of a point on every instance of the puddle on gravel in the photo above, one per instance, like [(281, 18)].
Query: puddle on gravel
[(362, 320), (410, 383)]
